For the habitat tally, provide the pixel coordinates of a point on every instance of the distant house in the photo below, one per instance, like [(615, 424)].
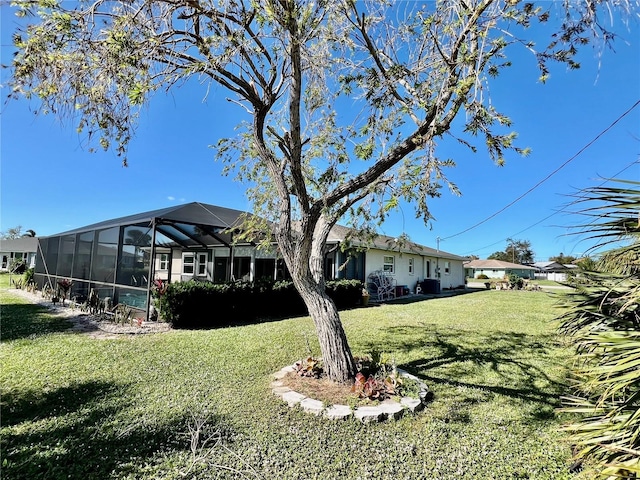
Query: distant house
[(120, 258), (497, 269), (552, 271), (15, 249)]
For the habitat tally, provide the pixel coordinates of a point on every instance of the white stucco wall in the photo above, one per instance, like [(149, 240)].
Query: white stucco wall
[(454, 278), (500, 272), (554, 276)]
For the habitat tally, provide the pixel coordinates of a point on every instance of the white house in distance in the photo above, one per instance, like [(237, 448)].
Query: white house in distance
[(497, 269), (15, 249), (552, 271), (120, 258)]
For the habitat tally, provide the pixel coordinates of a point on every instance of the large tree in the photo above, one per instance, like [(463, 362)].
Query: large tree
[(517, 251), (12, 233), (345, 100)]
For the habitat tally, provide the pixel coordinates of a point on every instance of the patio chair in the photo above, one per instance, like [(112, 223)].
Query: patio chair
[(382, 284)]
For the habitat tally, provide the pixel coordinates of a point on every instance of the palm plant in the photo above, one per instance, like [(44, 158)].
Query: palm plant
[(603, 321)]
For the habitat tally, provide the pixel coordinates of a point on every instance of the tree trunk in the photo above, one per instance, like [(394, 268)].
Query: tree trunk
[(336, 354)]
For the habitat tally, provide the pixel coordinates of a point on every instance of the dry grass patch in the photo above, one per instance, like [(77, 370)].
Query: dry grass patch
[(322, 389)]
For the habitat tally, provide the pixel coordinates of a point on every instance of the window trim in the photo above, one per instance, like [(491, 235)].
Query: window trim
[(163, 260), (411, 266), (199, 263), (188, 260), (386, 264), (447, 268)]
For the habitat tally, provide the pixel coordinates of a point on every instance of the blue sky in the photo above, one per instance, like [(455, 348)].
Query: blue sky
[(50, 183)]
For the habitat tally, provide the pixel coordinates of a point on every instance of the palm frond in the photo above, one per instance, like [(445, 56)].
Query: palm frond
[(603, 321), (615, 212)]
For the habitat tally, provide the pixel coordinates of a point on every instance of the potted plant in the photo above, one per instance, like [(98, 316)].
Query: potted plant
[(365, 296)]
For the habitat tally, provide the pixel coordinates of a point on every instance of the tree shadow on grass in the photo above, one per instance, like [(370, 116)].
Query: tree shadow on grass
[(512, 364), (70, 432), (28, 320)]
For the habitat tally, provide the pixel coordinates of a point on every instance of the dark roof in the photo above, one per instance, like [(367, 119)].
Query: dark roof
[(22, 244), (190, 225), (549, 266), (384, 242), (194, 213)]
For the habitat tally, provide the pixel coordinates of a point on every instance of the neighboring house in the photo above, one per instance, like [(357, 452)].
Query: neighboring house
[(120, 258), (14, 249), (497, 269), (552, 271), (406, 263)]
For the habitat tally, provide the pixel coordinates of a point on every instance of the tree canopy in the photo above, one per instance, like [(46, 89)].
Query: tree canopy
[(345, 101), (16, 232), (563, 259), (11, 233), (517, 251)]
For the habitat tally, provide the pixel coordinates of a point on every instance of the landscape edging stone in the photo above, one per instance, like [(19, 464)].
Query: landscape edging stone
[(389, 409)]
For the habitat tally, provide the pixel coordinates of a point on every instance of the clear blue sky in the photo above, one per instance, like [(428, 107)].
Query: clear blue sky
[(50, 183)]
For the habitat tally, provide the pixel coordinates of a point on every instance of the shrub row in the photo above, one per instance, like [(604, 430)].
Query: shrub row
[(196, 304)]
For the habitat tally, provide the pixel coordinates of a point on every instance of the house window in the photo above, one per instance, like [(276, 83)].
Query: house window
[(447, 268), (411, 266), (202, 264), (164, 261), (188, 263), (194, 264), (242, 268), (388, 264)]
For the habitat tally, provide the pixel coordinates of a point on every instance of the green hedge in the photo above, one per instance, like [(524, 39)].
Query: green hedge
[(197, 304)]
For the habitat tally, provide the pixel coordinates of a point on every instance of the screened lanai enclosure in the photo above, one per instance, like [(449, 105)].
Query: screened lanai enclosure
[(121, 258)]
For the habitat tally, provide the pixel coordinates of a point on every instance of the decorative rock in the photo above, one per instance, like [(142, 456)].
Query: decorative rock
[(409, 376), (413, 404), (387, 409), (280, 391), (292, 398), (338, 412), (424, 395), (312, 406), (280, 374), (392, 409), (369, 414)]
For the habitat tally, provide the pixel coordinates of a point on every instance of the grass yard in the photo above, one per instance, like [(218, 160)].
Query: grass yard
[(82, 408)]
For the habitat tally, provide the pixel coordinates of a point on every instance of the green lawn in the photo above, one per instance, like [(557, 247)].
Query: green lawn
[(76, 407)]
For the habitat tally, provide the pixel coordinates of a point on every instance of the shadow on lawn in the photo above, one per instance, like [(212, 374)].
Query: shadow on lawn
[(28, 320), (512, 364), (71, 432), (405, 300)]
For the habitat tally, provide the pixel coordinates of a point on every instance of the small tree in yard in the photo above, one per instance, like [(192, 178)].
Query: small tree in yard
[(345, 100)]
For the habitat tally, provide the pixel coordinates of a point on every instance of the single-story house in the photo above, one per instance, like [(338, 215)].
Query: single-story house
[(552, 270), (497, 269), (16, 249), (405, 263), (120, 258)]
